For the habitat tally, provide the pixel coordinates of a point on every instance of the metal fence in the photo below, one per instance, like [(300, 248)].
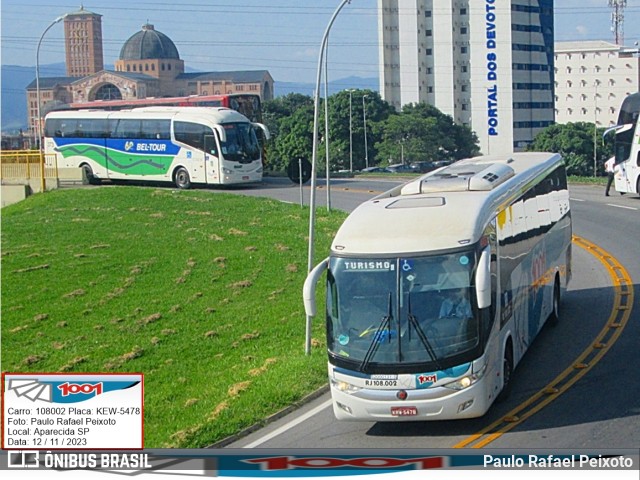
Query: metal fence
[(26, 165)]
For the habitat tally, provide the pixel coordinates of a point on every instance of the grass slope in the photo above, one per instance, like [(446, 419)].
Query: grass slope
[(199, 291)]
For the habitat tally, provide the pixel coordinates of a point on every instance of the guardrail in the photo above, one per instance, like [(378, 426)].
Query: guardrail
[(18, 165)]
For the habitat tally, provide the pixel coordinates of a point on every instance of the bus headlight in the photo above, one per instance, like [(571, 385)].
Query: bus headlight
[(344, 386), (467, 380), (227, 171)]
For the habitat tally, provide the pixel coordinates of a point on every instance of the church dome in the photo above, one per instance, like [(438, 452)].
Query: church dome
[(149, 44)]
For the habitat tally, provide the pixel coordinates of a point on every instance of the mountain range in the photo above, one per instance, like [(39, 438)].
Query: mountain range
[(13, 97)]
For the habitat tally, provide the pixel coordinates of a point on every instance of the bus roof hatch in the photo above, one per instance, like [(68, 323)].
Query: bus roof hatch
[(462, 177)]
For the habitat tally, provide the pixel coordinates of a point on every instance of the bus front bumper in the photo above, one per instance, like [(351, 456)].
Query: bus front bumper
[(432, 404)]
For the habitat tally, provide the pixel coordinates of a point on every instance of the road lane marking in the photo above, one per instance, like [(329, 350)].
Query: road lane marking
[(290, 425), (621, 206), (620, 314)]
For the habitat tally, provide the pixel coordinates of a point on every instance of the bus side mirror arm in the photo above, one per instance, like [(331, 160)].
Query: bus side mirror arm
[(264, 128), (309, 288), (222, 133), (483, 279)]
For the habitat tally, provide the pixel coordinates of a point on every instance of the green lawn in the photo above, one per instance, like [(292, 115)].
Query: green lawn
[(200, 291)]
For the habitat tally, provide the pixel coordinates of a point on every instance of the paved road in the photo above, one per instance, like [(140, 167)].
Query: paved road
[(602, 408)]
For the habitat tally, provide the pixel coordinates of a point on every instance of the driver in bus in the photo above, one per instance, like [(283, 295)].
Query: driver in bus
[(455, 304)]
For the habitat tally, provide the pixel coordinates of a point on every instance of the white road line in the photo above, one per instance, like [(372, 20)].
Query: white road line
[(577, 199), (289, 425), (621, 206)]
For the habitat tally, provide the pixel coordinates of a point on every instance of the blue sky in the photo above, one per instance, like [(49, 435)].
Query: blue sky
[(282, 36)]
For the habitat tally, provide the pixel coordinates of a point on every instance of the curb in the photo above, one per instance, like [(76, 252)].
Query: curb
[(276, 416)]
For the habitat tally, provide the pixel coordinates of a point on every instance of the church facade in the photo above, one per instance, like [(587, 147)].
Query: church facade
[(148, 66)]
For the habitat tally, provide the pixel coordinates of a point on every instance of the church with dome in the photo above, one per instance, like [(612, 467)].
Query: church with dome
[(149, 65)]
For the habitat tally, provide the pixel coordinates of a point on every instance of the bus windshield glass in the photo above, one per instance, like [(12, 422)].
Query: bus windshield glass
[(241, 143), (627, 121), (402, 313)]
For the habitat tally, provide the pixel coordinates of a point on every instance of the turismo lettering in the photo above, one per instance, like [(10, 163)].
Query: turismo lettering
[(370, 265), (492, 68)]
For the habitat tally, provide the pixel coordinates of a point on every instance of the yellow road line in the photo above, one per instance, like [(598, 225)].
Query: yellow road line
[(620, 314)]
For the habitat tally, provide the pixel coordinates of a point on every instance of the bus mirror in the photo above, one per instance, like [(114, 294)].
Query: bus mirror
[(264, 128), (223, 134), (483, 279), (309, 288)]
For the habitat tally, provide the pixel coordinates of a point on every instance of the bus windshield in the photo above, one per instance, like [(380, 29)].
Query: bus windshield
[(627, 121), (402, 314), (241, 143)]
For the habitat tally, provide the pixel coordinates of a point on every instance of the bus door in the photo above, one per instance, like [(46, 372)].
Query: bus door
[(211, 159), (627, 174)]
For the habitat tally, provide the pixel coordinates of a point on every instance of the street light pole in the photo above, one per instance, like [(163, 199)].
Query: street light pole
[(364, 115), (39, 119), (314, 157), (350, 133), (326, 126), (595, 130)]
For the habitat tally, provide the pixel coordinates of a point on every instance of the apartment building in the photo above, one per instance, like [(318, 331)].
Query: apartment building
[(591, 80), (486, 63)]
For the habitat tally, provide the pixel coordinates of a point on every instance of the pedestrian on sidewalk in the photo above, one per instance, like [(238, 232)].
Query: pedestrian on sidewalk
[(609, 166)]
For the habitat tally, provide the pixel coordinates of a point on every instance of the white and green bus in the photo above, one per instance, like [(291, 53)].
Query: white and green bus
[(437, 288), (183, 145)]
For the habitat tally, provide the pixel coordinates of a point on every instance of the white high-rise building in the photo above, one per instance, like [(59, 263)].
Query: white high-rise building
[(592, 79), (487, 63)]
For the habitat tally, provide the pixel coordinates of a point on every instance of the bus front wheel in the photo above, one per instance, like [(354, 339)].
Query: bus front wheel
[(88, 173), (507, 373), (181, 178), (555, 307)]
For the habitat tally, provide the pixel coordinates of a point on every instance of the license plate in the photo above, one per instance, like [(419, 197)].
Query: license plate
[(245, 177), (404, 411)]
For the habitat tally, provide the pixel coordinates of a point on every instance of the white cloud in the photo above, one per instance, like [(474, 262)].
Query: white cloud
[(582, 30)]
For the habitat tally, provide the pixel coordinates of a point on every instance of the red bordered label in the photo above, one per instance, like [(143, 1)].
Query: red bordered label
[(73, 411)]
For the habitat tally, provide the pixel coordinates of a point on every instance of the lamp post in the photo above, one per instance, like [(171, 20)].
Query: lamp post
[(39, 119), (326, 126), (364, 116), (350, 132), (595, 130), (314, 156)]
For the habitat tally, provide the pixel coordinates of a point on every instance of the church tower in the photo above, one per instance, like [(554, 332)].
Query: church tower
[(83, 43)]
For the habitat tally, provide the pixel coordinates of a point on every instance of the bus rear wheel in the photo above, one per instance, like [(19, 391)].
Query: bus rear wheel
[(181, 178)]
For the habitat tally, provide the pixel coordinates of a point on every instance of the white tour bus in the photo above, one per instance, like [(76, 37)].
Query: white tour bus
[(627, 147), (183, 145), (436, 288)]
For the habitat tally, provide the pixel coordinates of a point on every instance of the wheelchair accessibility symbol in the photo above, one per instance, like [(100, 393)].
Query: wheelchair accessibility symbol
[(407, 265)]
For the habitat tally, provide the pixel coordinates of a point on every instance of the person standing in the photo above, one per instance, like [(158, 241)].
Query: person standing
[(609, 167)]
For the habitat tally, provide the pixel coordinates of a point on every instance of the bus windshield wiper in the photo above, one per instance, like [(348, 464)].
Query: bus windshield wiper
[(413, 322), (377, 337)]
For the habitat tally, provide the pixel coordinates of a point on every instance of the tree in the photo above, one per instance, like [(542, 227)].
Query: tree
[(423, 133), (575, 142), (288, 118), (339, 149)]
